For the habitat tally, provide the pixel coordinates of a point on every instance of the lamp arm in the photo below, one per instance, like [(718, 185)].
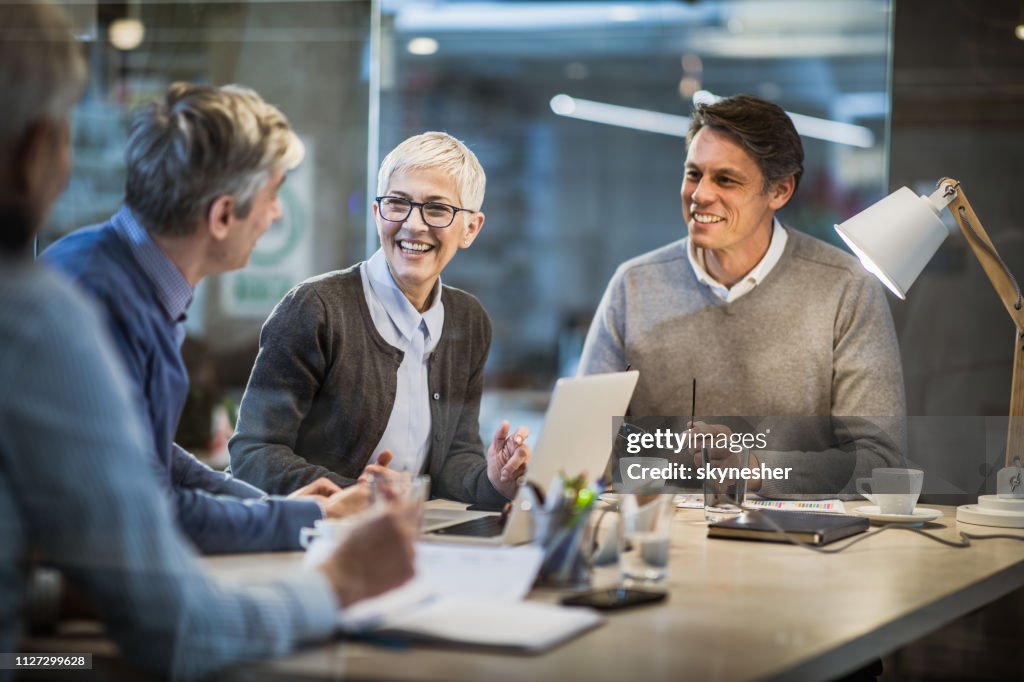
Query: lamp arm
[(998, 274), (1009, 292), (1015, 435)]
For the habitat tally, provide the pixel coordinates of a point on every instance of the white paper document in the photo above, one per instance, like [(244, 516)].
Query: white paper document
[(471, 595), (526, 626), (492, 575)]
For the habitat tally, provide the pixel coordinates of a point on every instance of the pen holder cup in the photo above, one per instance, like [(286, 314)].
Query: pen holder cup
[(566, 541)]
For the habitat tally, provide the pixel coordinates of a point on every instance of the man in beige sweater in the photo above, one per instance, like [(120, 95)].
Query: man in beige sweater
[(778, 328)]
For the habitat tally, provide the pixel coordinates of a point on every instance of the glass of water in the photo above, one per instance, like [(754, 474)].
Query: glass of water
[(645, 534), (404, 488), (725, 485)]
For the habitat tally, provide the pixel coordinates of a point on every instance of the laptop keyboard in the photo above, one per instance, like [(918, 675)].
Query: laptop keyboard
[(483, 527)]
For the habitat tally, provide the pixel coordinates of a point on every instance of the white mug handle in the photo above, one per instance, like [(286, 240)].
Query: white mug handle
[(306, 537), (861, 483)]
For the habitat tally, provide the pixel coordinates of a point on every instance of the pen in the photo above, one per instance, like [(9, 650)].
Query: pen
[(693, 416), (693, 402)]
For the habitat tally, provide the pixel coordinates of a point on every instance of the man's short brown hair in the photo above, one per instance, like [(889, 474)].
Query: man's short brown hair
[(761, 128)]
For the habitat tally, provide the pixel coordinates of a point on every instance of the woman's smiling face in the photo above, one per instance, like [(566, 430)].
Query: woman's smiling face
[(417, 253)]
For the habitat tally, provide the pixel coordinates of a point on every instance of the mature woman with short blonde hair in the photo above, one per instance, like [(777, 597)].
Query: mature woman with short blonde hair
[(380, 367)]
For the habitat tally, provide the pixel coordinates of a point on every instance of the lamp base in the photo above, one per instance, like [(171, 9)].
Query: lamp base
[(993, 510)]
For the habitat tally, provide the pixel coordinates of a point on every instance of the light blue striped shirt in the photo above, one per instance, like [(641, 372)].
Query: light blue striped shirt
[(76, 490)]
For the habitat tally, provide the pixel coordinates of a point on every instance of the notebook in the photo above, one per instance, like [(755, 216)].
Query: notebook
[(576, 437), (812, 528)]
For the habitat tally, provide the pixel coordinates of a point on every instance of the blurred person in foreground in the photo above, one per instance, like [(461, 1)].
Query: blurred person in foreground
[(77, 490)]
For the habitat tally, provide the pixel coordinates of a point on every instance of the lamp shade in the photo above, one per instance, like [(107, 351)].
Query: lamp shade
[(896, 237)]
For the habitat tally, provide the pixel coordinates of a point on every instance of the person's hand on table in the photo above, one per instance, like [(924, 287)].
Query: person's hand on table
[(335, 501), (320, 488), (376, 556), (347, 501), (507, 457), (720, 457)]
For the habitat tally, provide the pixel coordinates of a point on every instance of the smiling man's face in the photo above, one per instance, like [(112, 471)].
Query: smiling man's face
[(417, 253), (725, 205)]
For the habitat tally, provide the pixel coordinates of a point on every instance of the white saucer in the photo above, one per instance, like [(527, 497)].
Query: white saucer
[(920, 515)]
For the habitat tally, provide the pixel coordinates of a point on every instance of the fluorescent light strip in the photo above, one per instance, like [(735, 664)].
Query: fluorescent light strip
[(623, 117), (833, 131), (676, 126)]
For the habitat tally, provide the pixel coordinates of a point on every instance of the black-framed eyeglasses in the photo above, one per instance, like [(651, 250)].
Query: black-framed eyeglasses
[(433, 213)]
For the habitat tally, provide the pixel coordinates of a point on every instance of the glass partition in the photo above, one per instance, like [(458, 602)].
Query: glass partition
[(306, 57), (575, 109), (577, 113)]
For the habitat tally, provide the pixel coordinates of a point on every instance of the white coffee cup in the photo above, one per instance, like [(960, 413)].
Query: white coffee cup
[(895, 491)]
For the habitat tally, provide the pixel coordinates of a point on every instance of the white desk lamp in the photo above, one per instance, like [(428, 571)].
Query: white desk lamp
[(894, 239)]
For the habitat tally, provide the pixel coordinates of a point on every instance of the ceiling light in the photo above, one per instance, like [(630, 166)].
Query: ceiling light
[(126, 34), (691, 62), (676, 126), (623, 13), (622, 117), (422, 46), (812, 126), (563, 105), (688, 86)]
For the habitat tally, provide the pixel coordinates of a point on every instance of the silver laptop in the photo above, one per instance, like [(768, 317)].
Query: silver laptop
[(576, 437)]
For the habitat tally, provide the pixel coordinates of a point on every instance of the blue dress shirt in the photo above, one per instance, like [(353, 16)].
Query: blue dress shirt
[(145, 298)]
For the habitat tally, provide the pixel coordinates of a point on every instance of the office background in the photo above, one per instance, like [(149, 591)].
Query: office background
[(934, 86)]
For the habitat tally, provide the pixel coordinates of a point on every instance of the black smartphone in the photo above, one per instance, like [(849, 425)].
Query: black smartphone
[(613, 598)]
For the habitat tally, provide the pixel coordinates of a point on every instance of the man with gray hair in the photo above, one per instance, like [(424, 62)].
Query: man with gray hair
[(76, 489), (204, 165), (780, 329)]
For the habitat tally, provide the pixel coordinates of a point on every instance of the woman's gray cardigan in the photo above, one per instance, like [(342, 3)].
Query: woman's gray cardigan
[(324, 382)]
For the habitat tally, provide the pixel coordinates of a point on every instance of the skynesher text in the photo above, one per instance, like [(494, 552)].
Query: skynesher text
[(675, 471)]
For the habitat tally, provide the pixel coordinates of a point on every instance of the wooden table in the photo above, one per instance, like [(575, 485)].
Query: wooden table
[(736, 611)]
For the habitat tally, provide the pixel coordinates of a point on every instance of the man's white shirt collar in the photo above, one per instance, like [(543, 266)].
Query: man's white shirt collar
[(751, 279)]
